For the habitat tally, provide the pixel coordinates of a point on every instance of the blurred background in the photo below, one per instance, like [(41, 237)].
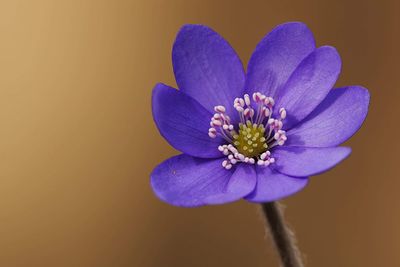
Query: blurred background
[(77, 140)]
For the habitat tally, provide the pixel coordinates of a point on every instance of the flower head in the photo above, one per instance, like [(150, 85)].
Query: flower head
[(259, 135)]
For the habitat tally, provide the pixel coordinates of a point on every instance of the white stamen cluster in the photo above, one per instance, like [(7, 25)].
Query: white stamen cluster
[(233, 156), (222, 122), (265, 159), (257, 132)]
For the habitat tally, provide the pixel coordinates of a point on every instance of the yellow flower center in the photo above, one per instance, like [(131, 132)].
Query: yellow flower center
[(250, 141)]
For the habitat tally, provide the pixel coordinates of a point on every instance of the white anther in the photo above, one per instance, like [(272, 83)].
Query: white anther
[(233, 149), (233, 161), (228, 167), (263, 156), (220, 109), (225, 117), (225, 127), (247, 99), (276, 124), (271, 101), (224, 163), (230, 127), (258, 97), (221, 148), (251, 161), (212, 135), (217, 116), (216, 122), (248, 112), (282, 112), (239, 102), (271, 121), (260, 162), (239, 109), (241, 157)]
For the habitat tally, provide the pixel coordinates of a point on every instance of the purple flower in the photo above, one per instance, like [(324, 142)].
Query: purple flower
[(257, 136)]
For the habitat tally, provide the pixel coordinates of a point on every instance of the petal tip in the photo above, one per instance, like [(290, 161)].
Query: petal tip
[(293, 24), (191, 27), (293, 28), (332, 56)]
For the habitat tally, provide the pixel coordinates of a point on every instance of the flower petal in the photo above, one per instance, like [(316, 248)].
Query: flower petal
[(307, 161), (277, 56), (183, 122), (242, 182), (207, 68), (309, 84), (189, 182), (272, 185), (335, 120)]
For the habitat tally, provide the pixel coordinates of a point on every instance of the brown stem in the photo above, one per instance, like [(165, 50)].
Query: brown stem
[(283, 237)]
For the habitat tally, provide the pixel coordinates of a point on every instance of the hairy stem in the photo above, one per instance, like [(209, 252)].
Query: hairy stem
[(283, 237)]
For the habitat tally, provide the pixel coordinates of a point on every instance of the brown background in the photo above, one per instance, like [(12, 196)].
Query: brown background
[(77, 141)]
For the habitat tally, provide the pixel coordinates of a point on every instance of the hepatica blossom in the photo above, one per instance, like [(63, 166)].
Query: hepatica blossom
[(258, 135)]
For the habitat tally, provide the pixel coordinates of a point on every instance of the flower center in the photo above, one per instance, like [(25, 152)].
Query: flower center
[(256, 133), (250, 141)]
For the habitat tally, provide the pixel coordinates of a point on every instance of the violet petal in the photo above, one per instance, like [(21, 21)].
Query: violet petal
[(207, 68), (277, 56), (334, 121), (307, 161), (309, 84), (189, 182), (183, 122)]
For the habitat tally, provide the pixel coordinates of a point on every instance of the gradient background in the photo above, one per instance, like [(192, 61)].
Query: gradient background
[(77, 141)]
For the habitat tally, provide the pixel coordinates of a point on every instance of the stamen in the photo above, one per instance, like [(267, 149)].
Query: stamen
[(220, 109), (247, 100), (256, 134)]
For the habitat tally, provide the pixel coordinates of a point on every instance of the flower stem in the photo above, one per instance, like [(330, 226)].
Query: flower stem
[(284, 239)]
